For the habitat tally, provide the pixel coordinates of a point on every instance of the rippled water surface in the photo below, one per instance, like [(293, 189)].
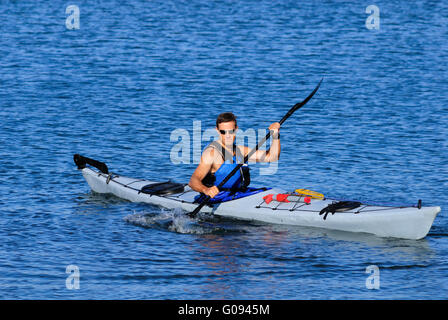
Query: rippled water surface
[(117, 88)]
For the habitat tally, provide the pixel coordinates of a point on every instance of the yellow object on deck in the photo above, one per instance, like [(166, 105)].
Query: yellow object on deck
[(310, 193)]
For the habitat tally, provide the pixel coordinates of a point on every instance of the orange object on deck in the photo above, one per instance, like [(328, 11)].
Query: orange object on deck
[(282, 197), (268, 198)]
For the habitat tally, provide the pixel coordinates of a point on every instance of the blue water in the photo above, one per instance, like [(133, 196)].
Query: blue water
[(134, 72)]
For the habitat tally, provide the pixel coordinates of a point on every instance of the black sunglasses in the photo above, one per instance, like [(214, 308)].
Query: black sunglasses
[(231, 131)]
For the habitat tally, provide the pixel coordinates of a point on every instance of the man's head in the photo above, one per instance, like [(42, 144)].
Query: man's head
[(226, 127)]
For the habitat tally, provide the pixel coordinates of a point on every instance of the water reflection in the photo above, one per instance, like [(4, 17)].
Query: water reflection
[(418, 250), (280, 257)]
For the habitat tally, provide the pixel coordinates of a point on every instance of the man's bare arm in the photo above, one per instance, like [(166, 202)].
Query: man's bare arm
[(201, 171), (273, 154)]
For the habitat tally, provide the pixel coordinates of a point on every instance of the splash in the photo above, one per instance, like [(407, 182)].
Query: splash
[(175, 221)]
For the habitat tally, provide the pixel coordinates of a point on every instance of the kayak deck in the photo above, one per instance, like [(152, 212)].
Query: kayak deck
[(384, 221)]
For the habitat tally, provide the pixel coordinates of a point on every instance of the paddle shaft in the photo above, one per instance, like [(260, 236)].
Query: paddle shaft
[(262, 141)]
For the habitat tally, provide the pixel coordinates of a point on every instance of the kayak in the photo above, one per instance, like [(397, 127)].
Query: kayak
[(270, 205)]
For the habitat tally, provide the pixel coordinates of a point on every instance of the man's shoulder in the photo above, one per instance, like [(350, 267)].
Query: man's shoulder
[(209, 153)]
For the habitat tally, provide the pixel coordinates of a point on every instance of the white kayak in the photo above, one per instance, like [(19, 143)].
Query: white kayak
[(407, 222)]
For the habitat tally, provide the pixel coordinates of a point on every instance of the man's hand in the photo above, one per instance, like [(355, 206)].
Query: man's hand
[(274, 128), (211, 192)]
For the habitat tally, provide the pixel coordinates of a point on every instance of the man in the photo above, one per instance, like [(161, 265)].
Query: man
[(221, 156)]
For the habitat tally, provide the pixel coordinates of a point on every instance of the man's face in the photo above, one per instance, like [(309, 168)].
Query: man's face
[(227, 131)]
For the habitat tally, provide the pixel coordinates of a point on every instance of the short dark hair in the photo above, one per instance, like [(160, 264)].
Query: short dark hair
[(225, 117)]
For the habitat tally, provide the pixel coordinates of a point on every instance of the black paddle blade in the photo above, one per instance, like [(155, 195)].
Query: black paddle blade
[(299, 105), (198, 208)]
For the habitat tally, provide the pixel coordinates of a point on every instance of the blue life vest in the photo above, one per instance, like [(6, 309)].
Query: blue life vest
[(240, 179)]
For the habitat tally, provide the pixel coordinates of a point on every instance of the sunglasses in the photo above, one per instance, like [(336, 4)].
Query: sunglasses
[(231, 131)]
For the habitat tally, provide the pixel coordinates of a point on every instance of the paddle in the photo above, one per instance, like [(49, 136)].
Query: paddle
[(262, 141)]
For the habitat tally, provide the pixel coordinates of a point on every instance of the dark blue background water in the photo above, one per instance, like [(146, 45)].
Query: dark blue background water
[(117, 87)]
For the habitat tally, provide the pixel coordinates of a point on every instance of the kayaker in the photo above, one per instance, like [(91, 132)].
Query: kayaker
[(221, 156)]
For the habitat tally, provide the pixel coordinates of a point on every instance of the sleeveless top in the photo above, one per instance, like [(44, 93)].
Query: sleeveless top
[(239, 180)]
